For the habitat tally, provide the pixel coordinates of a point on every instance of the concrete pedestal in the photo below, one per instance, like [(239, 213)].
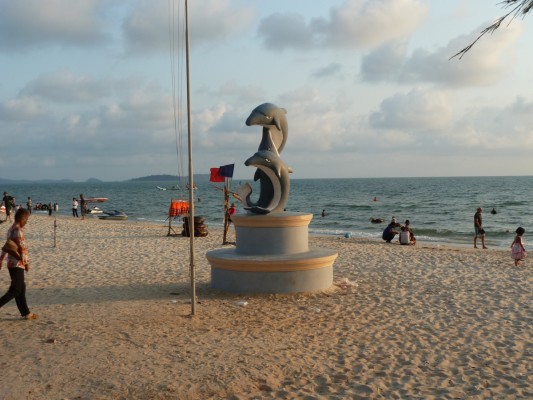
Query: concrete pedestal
[(272, 256)]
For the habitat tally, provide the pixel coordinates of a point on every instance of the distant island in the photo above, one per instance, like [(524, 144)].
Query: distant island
[(159, 178), (150, 178), (166, 177)]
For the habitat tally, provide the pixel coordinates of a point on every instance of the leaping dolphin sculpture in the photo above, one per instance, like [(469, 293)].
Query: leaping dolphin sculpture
[(272, 119), (272, 173)]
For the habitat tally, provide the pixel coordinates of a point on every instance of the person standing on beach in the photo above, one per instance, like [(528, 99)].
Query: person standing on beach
[(83, 206), (74, 207), (230, 213), (8, 203), (17, 265), (29, 204), (518, 251), (478, 227)]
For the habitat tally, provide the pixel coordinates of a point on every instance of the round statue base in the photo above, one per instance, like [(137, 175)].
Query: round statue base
[(272, 256)]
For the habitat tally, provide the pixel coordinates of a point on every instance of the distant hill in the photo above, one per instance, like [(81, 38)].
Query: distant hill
[(164, 177), (93, 180), (158, 178)]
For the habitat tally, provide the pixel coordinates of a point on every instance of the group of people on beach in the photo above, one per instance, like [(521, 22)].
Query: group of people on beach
[(406, 235), (518, 251), (15, 250), (83, 205), (10, 205)]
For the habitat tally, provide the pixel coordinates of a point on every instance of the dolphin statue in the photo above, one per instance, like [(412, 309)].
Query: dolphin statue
[(272, 119), (271, 172), (275, 191)]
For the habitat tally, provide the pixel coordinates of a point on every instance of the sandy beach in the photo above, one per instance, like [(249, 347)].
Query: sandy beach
[(401, 322)]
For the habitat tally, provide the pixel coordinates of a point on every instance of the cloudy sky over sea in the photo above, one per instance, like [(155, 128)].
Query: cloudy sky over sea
[(88, 87)]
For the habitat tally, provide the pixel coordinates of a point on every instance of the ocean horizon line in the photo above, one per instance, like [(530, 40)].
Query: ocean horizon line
[(202, 175)]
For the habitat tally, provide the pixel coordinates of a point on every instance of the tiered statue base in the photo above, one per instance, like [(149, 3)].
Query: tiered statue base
[(272, 256)]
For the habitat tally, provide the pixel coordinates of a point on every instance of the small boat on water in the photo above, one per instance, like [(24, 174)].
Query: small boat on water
[(113, 215), (94, 210), (174, 187)]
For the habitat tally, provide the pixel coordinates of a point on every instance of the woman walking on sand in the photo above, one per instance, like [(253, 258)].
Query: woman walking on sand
[(478, 227), (17, 264), (518, 251)]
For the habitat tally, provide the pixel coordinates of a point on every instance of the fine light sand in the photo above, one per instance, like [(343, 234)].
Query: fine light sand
[(402, 322)]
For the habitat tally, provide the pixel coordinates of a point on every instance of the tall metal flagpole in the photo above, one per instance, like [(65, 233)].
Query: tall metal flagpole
[(191, 174)]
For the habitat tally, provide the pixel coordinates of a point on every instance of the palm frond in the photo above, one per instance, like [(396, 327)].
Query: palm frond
[(519, 7)]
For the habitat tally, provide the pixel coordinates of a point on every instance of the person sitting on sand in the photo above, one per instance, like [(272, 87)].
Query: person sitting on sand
[(518, 251), (408, 236), (390, 232)]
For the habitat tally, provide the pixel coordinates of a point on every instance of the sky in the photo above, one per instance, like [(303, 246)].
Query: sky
[(96, 88)]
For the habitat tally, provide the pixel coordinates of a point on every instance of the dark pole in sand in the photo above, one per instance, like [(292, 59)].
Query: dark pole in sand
[(191, 174), (55, 228), (226, 205)]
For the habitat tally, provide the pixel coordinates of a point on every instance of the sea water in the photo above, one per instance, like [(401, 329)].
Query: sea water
[(441, 210)]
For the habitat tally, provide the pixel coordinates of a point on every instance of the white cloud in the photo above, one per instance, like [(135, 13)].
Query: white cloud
[(384, 63), (91, 112), (484, 65), (355, 24), (333, 69), (286, 31), (22, 109), (65, 87), (495, 129), (146, 28), (364, 23), (31, 23), (81, 23), (235, 91), (418, 110), (425, 120)]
